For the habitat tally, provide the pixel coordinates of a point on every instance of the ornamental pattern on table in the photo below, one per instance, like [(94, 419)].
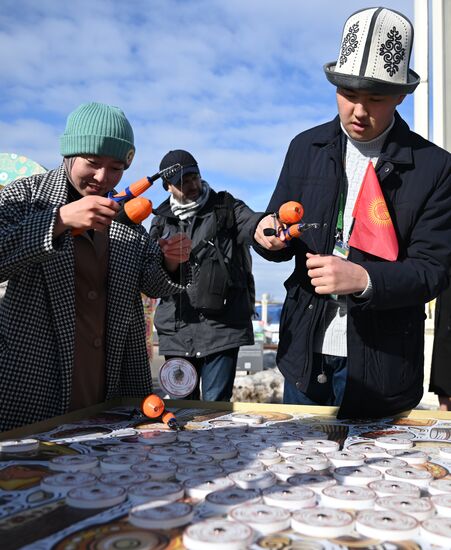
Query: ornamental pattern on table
[(350, 43), (392, 51), (247, 501)]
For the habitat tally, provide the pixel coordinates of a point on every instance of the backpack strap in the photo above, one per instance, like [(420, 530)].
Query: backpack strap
[(225, 219), (157, 227), (224, 210)]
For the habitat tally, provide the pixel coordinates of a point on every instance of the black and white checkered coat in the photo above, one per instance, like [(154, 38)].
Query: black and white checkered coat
[(37, 315)]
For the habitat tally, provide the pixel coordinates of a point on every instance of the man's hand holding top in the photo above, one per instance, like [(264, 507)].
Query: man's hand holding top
[(334, 275), (270, 242), (176, 250), (90, 212)]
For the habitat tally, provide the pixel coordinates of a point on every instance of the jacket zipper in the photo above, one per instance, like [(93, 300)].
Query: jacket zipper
[(319, 307)]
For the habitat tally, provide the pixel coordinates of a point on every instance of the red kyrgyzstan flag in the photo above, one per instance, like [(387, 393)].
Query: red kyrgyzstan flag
[(373, 230)]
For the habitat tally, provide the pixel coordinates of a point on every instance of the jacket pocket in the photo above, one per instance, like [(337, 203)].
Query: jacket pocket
[(293, 316), (289, 303), (400, 349), (165, 319)]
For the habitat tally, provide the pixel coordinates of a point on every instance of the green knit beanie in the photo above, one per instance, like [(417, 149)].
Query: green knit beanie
[(98, 129)]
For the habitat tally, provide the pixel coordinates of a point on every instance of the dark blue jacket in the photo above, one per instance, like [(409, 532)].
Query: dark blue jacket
[(385, 334)]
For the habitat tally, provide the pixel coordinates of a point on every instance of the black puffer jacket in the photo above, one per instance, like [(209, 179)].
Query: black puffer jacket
[(182, 329), (385, 333)]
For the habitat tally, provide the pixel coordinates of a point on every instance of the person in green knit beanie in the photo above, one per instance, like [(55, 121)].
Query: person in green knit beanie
[(96, 128), (76, 329)]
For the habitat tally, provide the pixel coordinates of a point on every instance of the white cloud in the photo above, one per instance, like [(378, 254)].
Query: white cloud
[(232, 81)]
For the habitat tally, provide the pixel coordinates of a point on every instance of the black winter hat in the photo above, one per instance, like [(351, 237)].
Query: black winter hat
[(185, 159)]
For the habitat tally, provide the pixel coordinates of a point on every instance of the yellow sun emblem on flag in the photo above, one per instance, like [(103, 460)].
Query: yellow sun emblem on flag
[(378, 212)]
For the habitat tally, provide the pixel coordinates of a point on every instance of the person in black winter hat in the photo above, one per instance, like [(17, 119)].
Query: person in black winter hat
[(352, 325), (187, 162), (208, 322)]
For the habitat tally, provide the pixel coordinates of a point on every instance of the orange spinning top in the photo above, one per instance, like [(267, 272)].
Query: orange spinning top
[(291, 212), (152, 406), (137, 210)]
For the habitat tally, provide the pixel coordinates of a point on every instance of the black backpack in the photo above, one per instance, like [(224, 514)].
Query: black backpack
[(214, 280)]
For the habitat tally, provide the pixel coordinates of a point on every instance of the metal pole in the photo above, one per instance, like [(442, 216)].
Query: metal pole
[(265, 298), (438, 66), (421, 66)]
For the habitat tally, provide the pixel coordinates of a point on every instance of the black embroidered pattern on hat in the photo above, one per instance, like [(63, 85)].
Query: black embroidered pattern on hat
[(350, 43), (374, 53), (392, 51)]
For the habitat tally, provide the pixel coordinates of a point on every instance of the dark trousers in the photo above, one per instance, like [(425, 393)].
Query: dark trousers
[(216, 373), (330, 393)]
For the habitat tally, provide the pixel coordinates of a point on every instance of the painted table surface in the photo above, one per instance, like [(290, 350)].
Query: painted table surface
[(32, 518)]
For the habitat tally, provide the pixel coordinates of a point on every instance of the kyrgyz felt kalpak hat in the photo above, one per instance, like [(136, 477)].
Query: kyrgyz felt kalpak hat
[(374, 54)]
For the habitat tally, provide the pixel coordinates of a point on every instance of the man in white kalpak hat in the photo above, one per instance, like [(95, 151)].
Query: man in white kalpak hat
[(352, 327)]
